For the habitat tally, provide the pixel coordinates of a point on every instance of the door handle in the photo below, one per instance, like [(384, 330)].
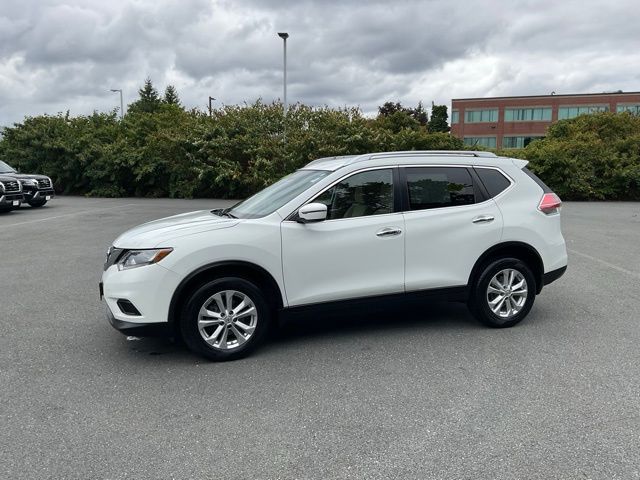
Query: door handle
[(389, 232), (483, 219)]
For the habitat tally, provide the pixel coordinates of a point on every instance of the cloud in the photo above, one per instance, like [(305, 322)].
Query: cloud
[(57, 55)]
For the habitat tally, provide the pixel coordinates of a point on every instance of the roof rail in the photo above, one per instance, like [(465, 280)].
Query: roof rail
[(462, 153)]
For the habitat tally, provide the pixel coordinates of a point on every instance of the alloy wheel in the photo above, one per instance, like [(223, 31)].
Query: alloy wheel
[(507, 293), (227, 319)]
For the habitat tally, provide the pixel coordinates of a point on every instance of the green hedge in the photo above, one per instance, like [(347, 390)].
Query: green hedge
[(177, 153), (240, 149), (590, 157)]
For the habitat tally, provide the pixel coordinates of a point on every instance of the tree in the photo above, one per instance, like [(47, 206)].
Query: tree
[(439, 117), (149, 100), (171, 96), (389, 108), (420, 114)]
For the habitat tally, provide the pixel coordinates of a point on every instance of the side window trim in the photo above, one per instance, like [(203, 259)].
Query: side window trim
[(481, 191), (406, 207), (395, 178)]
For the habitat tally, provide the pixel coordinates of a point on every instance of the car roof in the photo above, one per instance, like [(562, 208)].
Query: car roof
[(419, 156)]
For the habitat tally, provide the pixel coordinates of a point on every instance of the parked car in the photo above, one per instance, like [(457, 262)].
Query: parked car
[(352, 230), (10, 193), (37, 189)]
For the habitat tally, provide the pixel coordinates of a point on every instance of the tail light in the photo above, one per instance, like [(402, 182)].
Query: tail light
[(550, 203)]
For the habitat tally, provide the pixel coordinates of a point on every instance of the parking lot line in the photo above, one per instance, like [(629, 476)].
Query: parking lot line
[(72, 214), (605, 263)]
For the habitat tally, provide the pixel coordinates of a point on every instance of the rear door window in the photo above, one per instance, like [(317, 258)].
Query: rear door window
[(437, 187)]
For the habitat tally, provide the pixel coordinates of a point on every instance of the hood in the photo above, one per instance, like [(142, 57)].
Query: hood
[(27, 176), (159, 233)]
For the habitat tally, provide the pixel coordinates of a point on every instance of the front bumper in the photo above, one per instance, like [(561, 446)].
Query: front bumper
[(10, 199), (148, 289), (139, 329), (32, 193)]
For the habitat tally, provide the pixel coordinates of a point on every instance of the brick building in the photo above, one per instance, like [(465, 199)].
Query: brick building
[(512, 122)]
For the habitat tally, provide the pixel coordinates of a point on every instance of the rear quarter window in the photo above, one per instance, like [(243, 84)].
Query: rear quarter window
[(493, 180)]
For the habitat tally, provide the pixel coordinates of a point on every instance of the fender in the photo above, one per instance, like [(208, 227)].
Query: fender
[(521, 250), (248, 270)]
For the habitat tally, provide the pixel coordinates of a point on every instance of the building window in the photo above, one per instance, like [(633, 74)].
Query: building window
[(455, 116), (478, 116), (542, 114), (489, 142), (517, 142), (634, 109), (571, 112)]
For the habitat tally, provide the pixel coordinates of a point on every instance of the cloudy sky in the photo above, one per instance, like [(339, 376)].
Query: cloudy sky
[(66, 54)]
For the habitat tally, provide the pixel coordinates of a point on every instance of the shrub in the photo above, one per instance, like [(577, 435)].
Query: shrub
[(238, 150)]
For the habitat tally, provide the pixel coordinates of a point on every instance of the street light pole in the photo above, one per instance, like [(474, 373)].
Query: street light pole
[(211, 99), (284, 36), (114, 90)]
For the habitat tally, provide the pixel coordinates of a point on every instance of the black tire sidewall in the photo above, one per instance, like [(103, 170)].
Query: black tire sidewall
[(478, 299), (41, 203), (189, 320)]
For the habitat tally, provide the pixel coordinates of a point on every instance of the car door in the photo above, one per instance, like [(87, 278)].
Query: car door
[(448, 223), (357, 251)]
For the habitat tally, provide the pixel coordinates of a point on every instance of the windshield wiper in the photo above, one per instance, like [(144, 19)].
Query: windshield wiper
[(223, 212)]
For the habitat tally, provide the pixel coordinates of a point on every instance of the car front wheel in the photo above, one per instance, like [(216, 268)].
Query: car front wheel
[(503, 294), (38, 203), (225, 319)]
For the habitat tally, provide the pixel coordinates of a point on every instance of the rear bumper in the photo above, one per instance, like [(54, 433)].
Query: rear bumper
[(553, 275)]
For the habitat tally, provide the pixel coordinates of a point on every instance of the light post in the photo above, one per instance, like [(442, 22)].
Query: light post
[(284, 36), (211, 99), (114, 90)]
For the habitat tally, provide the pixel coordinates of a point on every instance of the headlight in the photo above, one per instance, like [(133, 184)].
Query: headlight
[(1, 187), (139, 258)]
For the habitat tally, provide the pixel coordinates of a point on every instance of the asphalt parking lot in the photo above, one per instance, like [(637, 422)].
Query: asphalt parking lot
[(412, 395)]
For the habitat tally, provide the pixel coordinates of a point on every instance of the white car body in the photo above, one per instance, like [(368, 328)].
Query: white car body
[(334, 260)]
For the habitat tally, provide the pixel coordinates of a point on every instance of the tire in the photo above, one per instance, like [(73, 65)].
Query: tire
[(38, 203), (238, 341), (483, 300), (5, 209)]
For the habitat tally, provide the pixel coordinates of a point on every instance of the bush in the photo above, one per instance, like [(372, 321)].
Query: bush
[(590, 157), (169, 151), (238, 150)]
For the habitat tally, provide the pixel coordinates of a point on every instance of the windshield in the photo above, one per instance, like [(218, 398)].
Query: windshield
[(275, 196), (4, 168)]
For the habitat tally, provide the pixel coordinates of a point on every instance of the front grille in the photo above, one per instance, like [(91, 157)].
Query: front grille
[(11, 186), (44, 183)]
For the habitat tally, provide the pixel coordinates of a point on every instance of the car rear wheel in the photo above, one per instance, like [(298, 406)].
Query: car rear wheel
[(225, 319), (38, 203), (503, 294)]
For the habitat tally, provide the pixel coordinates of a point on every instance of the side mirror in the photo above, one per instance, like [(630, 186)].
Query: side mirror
[(312, 212)]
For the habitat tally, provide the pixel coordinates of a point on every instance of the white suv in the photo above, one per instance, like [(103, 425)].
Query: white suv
[(466, 226)]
